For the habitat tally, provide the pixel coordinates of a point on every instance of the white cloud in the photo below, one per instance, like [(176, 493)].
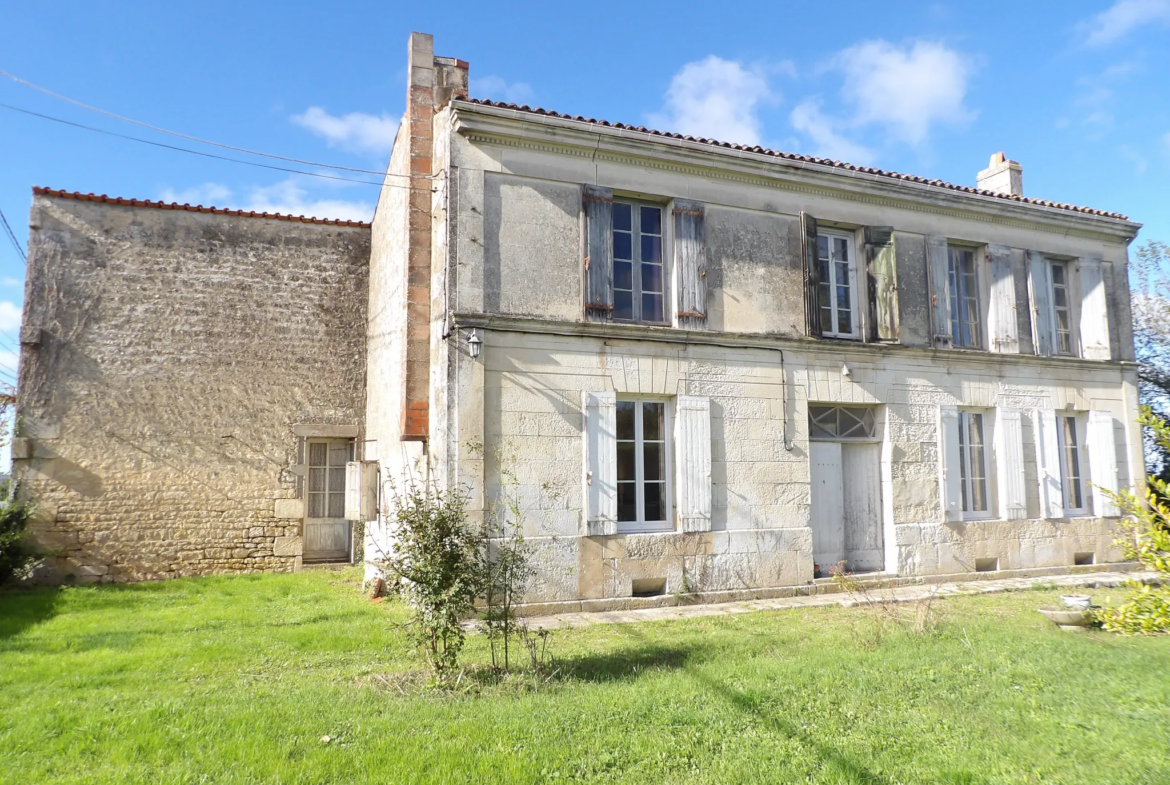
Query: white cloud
[(717, 99), (907, 89), (498, 89), (356, 131), (808, 119), (9, 315), (12, 282), (1122, 18), (285, 197), (208, 195)]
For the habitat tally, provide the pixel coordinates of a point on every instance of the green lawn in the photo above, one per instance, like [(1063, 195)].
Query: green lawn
[(237, 679)]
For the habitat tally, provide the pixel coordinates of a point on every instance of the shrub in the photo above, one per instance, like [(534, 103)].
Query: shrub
[(16, 555), (1146, 539)]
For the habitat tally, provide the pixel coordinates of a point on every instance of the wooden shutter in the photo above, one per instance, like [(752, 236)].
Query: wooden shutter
[(1048, 465), (692, 440), (881, 267), (1003, 327), (1040, 290), (1009, 462), (600, 463), (598, 253), (1103, 463), (1094, 313), (940, 300), (361, 490), (690, 263), (812, 273), (950, 477)]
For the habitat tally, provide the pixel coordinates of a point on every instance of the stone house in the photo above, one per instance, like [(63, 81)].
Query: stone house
[(710, 368)]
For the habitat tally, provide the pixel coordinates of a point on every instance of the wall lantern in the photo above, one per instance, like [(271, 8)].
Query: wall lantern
[(474, 344)]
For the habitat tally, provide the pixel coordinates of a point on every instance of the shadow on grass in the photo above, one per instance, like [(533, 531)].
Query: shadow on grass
[(21, 609)]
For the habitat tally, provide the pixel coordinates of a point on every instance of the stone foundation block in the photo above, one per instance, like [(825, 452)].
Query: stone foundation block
[(288, 546)]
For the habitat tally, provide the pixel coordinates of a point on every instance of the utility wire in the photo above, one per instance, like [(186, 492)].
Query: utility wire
[(12, 236), (17, 79), (205, 155)]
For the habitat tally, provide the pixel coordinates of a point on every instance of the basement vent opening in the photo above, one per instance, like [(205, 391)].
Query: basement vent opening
[(649, 587), (987, 565), (1083, 559)]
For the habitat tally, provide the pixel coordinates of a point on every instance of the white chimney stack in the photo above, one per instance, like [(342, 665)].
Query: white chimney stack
[(1002, 176)]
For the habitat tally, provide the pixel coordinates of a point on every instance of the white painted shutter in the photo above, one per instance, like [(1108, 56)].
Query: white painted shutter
[(949, 473), (1009, 461), (690, 264), (692, 440), (1001, 315), (1094, 312), (938, 265), (361, 490), (1103, 463), (1040, 289), (1048, 465), (600, 464)]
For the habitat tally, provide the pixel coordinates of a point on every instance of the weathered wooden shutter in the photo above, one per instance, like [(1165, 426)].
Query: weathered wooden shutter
[(950, 478), (600, 463), (361, 490), (1094, 312), (690, 263), (692, 439), (1009, 462), (1103, 463), (598, 253), (1048, 465), (1003, 327), (881, 264), (1040, 289), (940, 300), (812, 273)]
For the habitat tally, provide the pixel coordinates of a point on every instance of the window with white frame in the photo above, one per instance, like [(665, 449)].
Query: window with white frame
[(1062, 334), (326, 480), (1070, 440), (638, 288), (966, 325), (643, 464), (973, 465), (837, 292)]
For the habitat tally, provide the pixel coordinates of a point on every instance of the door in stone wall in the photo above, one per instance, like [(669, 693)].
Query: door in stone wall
[(327, 532)]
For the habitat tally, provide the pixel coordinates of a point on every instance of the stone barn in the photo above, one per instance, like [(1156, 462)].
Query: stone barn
[(711, 368)]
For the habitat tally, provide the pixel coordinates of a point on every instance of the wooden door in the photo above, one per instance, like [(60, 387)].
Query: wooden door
[(860, 464), (327, 532), (828, 528)]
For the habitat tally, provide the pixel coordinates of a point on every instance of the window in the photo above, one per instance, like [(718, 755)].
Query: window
[(1069, 440), (834, 423), (638, 294), (1061, 309), (837, 292), (326, 486), (972, 464), (965, 326), (642, 465)]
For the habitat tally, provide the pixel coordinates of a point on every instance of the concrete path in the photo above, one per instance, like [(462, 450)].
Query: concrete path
[(899, 594)]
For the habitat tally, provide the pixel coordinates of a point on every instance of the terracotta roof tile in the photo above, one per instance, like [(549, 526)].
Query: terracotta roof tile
[(194, 208), (802, 158)]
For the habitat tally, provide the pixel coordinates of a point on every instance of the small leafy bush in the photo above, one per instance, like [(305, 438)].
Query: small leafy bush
[(16, 555)]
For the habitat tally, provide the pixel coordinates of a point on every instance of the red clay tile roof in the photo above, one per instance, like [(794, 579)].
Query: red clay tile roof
[(795, 157), (193, 208)]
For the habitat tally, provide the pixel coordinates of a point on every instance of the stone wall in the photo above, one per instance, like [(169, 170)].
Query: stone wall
[(169, 355)]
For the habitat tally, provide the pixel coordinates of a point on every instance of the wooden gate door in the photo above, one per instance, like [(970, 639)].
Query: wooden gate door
[(861, 463), (327, 532), (828, 530)]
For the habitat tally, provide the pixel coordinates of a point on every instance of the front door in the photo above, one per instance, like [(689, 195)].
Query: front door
[(327, 532)]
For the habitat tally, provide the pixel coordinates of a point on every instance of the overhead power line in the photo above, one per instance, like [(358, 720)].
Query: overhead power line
[(12, 237), (210, 155), (46, 91)]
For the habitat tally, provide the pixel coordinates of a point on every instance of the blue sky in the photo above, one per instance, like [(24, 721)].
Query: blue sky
[(1075, 91)]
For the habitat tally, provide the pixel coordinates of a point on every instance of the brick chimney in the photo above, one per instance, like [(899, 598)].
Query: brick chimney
[(432, 83), (1002, 176)]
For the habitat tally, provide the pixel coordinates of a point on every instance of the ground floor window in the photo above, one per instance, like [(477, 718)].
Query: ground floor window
[(1069, 441), (642, 464), (973, 464)]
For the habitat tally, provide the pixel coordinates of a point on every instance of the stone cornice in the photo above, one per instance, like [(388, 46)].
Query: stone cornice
[(512, 128)]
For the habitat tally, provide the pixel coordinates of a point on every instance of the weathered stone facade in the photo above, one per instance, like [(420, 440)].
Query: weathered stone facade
[(168, 356)]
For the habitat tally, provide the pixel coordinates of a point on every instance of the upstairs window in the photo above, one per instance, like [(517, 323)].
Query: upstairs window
[(1062, 340), (964, 284), (638, 291), (837, 290)]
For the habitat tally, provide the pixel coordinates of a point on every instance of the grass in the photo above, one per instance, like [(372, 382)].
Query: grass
[(236, 679)]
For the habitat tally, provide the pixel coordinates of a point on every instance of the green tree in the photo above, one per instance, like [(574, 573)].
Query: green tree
[(1150, 286)]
